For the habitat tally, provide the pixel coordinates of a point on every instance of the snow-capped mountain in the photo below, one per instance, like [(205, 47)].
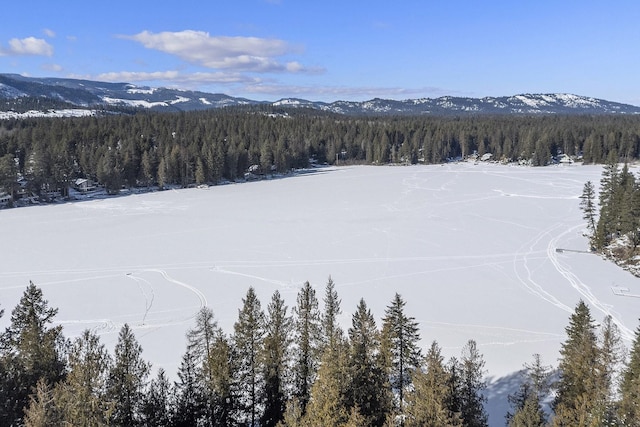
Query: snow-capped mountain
[(17, 93)]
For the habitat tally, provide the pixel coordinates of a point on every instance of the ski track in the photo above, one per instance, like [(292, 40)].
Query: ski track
[(522, 257), (583, 288), (148, 301)]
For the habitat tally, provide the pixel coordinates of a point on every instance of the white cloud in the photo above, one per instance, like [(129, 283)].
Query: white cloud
[(28, 46), (222, 52), (49, 33)]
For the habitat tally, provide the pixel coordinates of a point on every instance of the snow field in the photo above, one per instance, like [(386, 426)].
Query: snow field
[(471, 249)]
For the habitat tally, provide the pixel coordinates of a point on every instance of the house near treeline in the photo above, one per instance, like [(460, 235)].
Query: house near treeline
[(84, 185)]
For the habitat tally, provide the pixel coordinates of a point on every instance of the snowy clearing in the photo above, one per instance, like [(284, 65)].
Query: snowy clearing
[(471, 248)]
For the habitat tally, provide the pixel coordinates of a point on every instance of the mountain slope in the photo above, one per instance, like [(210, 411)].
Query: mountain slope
[(18, 93)]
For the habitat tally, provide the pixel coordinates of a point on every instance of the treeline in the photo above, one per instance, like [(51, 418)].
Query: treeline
[(148, 148), (300, 369), (613, 215)]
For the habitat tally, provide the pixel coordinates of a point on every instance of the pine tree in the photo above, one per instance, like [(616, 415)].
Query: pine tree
[(427, 400), (127, 380), (328, 406), (609, 190), (41, 411), (211, 349), (82, 398), (588, 206), (156, 406), (248, 343), (577, 386), (332, 334), (307, 343), (629, 405), (189, 395), (453, 399), (527, 400), (368, 389), (472, 386), (610, 357), (277, 341), (30, 350), (400, 348)]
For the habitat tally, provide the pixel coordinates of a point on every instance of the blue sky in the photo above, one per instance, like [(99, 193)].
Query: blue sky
[(333, 50)]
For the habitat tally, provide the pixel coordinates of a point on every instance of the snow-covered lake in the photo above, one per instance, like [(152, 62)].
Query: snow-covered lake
[(471, 248)]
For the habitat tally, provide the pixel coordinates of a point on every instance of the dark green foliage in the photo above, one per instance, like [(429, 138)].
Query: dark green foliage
[(576, 394), (30, 350), (189, 394), (248, 380), (619, 216), (526, 402), (472, 386), (332, 334), (149, 148), (212, 352), (157, 407), (307, 343), (400, 348), (127, 380), (275, 356), (368, 388), (629, 407), (587, 204), (249, 331)]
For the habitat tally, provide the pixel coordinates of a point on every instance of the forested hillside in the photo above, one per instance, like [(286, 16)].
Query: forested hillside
[(281, 367), (145, 149)]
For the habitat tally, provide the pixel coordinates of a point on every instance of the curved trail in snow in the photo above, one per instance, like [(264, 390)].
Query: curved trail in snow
[(581, 287), (201, 297), (148, 301), (521, 258)]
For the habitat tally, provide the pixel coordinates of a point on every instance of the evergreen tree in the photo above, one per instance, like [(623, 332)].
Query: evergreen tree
[(211, 349), (307, 343), (156, 406), (588, 206), (332, 334), (82, 398), (248, 342), (277, 341), (368, 389), (30, 350), (609, 190), (400, 348), (526, 402), (472, 387), (427, 400), (189, 396), (453, 399), (577, 386), (629, 406), (328, 406), (41, 411), (610, 358), (127, 380)]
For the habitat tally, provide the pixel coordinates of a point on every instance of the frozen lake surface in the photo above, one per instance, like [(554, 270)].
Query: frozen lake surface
[(471, 248)]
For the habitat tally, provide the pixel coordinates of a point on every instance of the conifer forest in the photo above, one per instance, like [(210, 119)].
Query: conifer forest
[(297, 366), (159, 149)]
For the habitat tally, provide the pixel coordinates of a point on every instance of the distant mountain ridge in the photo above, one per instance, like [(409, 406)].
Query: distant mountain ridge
[(18, 93)]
